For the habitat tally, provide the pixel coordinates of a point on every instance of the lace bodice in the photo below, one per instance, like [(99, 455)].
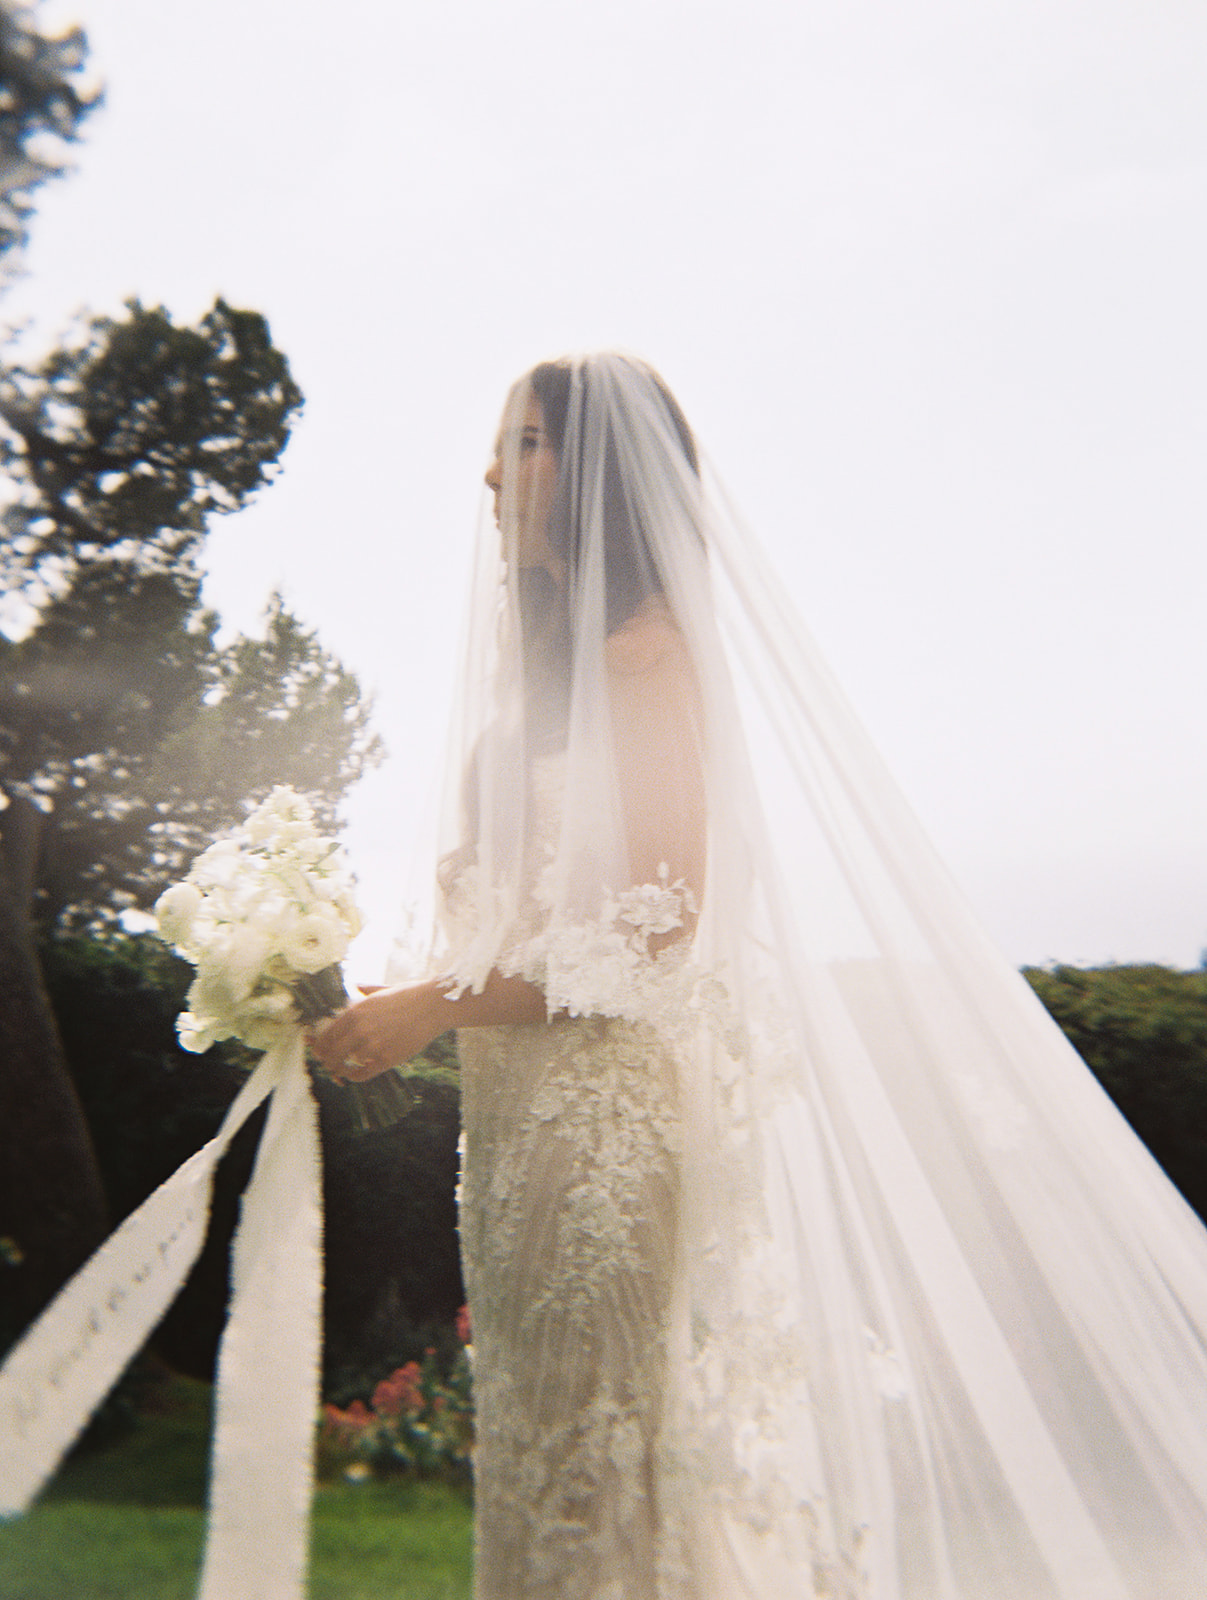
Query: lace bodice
[(600, 965)]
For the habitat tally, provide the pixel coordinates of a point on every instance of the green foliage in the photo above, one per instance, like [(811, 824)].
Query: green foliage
[(392, 1262), (133, 433), (42, 105), (1143, 1032), (120, 717), (148, 1103), (292, 711)]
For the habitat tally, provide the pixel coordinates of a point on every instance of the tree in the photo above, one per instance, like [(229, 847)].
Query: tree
[(129, 714), (120, 446), (41, 108), (1142, 1030), (118, 713), (128, 437)]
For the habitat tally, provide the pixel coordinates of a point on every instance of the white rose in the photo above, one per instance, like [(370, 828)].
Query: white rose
[(314, 941), (271, 911)]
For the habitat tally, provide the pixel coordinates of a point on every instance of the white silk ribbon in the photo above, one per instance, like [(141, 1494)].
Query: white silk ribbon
[(268, 1368)]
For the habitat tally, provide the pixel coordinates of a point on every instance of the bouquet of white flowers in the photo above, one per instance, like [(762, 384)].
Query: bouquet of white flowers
[(266, 915)]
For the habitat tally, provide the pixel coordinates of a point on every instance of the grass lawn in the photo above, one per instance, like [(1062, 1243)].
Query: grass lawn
[(126, 1523)]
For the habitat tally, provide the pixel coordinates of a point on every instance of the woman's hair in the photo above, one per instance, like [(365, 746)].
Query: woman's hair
[(630, 572), (550, 382)]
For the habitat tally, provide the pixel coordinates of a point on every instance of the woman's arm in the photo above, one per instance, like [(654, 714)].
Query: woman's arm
[(391, 1026), (656, 737)]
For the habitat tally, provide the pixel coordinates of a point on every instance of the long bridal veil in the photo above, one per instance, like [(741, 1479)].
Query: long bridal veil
[(940, 1330)]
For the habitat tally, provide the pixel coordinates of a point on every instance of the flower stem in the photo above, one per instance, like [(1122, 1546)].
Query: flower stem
[(382, 1101)]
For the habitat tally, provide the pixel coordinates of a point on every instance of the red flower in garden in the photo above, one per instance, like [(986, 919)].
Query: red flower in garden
[(348, 1422), (464, 1332), (399, 1392)]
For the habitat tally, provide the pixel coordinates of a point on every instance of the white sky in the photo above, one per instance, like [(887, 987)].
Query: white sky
[(927, 276)]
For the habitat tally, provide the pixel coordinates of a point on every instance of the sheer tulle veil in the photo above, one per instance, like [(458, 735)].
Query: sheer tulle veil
[(941, 1326)]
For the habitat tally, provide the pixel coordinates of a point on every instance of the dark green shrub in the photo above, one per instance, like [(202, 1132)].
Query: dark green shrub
[(1142, 1030)]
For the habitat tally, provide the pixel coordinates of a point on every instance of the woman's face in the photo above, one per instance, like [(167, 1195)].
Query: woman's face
[(524, 507)]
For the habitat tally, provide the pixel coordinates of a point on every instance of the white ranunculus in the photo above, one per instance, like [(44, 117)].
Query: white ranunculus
[(176, 911), (287, 804), (195, 1034), (260, 1020), (315, 941), (245, 949), (213, 993), (260, 826), (348, 914), (218, 866)]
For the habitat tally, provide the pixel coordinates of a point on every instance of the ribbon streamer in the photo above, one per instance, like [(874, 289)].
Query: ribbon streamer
[(267, 1392)]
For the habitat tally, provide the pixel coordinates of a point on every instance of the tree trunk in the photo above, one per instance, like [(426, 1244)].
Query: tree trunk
[(52, 1205)]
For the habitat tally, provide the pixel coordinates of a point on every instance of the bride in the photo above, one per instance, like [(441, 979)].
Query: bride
[(804, 1257)]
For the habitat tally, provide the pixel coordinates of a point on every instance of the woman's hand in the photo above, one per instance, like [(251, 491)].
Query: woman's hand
[(384, 1029), (390, 1026)]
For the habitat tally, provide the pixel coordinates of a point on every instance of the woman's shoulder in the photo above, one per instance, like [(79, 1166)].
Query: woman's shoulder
[(648, 645)]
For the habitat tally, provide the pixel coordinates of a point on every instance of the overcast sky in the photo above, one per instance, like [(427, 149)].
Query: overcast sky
[(927, 276)]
